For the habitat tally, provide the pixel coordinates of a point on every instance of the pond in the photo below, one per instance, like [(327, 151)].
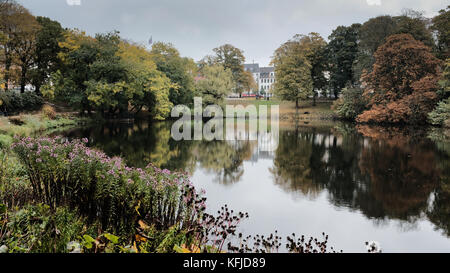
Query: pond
[(355, 183)]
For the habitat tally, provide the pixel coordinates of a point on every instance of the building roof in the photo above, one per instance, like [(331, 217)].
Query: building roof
[(266, 69), (254, 68), (265, 72)]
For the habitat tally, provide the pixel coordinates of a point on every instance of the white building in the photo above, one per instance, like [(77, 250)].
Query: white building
[(264, 76)]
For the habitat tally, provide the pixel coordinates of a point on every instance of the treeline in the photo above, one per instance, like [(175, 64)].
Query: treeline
[(106, 74), (390, 69)]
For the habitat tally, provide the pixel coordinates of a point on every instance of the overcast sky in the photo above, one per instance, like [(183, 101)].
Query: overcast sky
[(195, 27)]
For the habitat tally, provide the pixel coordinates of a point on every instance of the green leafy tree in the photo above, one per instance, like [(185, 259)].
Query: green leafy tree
[(319, 63), (46, 59), (441, 27), (179, 70), (147, 86), (232, 58), (441, 114), (414, 23), (351, 104), (444, 82), (25, 51), (78, 53), (371, 35), (208, 60), (110, 76), (293, 69), (96, 64), (375, 31), (215, 84), (249, 83), (342, 51), (19, 29)]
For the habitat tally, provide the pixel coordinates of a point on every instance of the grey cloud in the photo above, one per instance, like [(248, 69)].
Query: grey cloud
[(196, 26)]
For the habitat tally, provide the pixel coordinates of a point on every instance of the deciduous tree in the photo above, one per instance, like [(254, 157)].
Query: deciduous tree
[(342, 51), (18, 28), (441, 27), (441, 114), (249, 83), (216, 83), (293, 63), (402, 86), (110, 76), (232, 58), (371, 35), (179, 70), (414, 23), (147, 86), (319, 62), (46, 59), (375, 31)]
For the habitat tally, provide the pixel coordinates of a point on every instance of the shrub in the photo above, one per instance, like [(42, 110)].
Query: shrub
[(31, 101), (39, 229), (441, 113), (13, 102), (48, 112), (350, 104), (409, 109), (14, 187)]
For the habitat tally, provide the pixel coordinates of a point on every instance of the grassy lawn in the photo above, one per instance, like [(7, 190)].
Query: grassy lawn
[(30, 124), (288, 111)]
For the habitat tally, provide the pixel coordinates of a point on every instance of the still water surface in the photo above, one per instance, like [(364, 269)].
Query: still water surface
[(354, 183)]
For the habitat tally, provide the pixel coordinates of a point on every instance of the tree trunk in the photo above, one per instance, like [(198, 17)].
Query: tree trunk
[(38, 90), (7, 70), (23, 81), (314, 99), (296, 104), (139, 109)]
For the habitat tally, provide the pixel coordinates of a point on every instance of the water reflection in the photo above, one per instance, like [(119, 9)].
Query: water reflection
[(382, 173), (224, 159), (439, 211)]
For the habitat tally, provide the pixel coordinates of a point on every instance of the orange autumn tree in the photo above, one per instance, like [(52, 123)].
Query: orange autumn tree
[(402, 85)]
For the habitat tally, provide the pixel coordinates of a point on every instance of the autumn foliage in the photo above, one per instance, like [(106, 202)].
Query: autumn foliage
[(402, 86)]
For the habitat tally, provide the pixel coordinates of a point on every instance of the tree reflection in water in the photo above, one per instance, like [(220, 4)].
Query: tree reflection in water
[(385, 173), (224, 158), (439, 211), (139, 144)]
